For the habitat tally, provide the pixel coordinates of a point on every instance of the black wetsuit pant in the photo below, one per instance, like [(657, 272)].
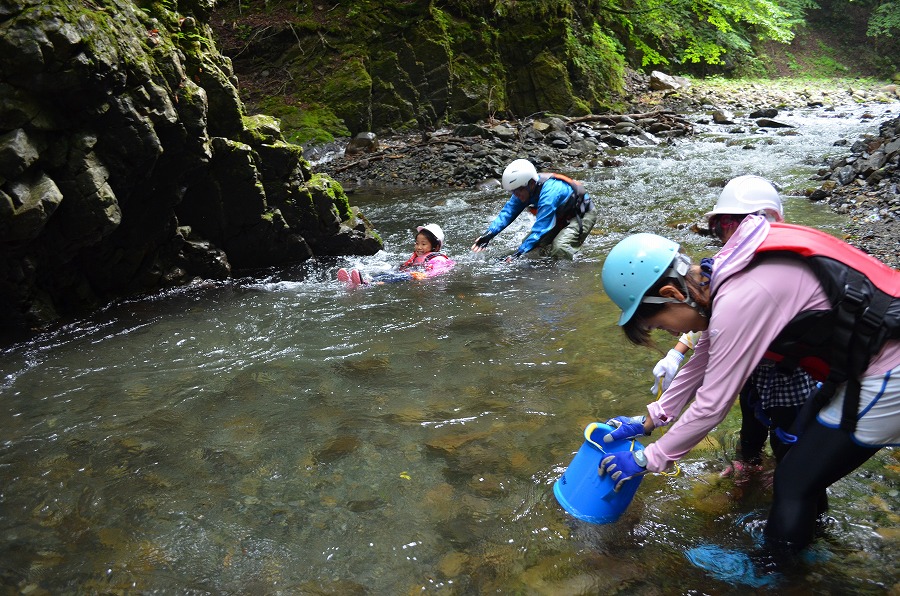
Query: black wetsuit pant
[(817, 460)]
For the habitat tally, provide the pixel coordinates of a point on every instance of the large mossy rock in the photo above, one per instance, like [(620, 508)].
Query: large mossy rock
[(423, 64), (127, 163)]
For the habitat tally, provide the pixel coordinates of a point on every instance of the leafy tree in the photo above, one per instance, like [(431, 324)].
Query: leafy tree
[(659, 32), (885, 19), (882, 20)]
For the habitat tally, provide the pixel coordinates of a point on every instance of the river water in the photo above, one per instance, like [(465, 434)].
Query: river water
[(281, 434)]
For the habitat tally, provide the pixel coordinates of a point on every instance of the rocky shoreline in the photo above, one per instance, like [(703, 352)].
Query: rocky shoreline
[(864, 183)]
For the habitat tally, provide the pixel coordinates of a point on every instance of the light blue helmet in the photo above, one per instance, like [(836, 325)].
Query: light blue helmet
[(634, 265)]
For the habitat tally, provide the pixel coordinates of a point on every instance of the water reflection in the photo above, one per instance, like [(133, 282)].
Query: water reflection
[(283, 434)]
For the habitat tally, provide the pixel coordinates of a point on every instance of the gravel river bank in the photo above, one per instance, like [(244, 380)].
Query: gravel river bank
[(859, 179)]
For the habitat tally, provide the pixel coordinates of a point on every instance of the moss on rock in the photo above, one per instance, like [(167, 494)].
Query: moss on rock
[(324, 186), (395, 64), (306, 123), (130, 112), (348, 90), (260, 128)]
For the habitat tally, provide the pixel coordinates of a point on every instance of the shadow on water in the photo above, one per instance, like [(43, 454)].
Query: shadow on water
[(284, 434)]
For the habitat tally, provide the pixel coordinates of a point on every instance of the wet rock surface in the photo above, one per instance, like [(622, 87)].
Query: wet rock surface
[(862, 184), (128, 164), (470, 155), (865, 184)]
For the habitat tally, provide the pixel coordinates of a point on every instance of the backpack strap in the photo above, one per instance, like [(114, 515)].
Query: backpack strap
[(858, 333), (868, 336), (578, 203)]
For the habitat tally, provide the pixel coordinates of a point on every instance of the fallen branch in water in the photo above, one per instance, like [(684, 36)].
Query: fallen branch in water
[(616, 118)]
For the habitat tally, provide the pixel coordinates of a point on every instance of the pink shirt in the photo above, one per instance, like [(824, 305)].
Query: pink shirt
[(754, 302)]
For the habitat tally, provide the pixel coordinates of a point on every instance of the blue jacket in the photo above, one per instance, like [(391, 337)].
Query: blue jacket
[(553, 195)]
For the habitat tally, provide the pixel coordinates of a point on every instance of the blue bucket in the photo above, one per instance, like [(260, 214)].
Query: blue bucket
[(582, 492)]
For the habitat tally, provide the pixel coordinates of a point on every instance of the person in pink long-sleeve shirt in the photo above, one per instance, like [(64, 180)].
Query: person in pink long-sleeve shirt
[(743, 302)]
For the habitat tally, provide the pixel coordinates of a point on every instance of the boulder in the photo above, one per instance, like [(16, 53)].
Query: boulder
[(660, 81), (127, 163), (723, 117), (26, 205), (504, 132), (17, 153), (364, 142), (769, 123), (764, 113)]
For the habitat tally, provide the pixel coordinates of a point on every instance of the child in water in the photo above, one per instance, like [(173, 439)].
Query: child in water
[(426, 261)]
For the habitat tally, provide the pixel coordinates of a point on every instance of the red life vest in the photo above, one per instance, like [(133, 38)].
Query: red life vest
[(411, 261), (836, 345)]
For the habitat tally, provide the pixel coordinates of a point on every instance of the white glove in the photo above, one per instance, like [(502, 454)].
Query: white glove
[(665, 370)]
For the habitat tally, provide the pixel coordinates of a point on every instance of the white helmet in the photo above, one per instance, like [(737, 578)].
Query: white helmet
[(748, 194), (436, 231), (518, 173)]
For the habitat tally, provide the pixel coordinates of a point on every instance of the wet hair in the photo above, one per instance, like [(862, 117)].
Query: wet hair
[(435, 244), (636, 329)]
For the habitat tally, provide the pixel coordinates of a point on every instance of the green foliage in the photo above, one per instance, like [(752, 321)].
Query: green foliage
[(310, 123), (441, 18), (700, 31), (877, 44), (324, 185), (827, 63), (648, 54), (369, 64), (885, 19), (598, 57), (166, 11), (192, 41)]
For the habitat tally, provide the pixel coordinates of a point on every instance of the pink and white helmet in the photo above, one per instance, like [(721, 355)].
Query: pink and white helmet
[(436, 231)]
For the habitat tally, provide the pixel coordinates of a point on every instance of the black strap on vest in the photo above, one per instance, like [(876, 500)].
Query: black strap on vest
[(858, 333), (868, 336), (578, 203)]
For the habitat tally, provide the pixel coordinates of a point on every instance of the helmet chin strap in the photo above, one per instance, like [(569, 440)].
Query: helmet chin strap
[(679, 269)]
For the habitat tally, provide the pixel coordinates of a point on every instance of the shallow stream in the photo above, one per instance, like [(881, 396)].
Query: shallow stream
[(281, 434)]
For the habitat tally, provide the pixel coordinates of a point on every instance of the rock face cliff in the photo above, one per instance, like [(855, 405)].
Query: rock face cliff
[(374, 66), (127, 163)]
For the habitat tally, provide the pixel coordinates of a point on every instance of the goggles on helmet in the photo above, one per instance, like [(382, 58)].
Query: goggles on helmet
[(679, 268)]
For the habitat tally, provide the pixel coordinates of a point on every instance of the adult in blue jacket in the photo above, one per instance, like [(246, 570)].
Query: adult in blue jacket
[(562, 208)]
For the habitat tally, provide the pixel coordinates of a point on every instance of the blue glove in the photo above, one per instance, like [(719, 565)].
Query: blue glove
[(626, 428), (623, 466)]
